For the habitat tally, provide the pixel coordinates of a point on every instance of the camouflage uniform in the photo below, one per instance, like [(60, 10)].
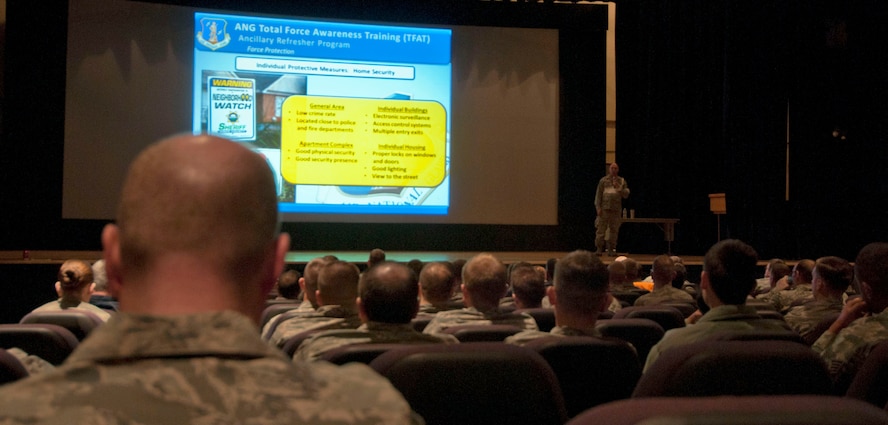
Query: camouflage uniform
[(471, 316), (610, 201), (782, 300), (845, 351), (526, 336), (725, 318), (665, 294), (326, 317), (804, 318), (33, 364), (57, 306), (209, 368), (368, 333), (614, 305)]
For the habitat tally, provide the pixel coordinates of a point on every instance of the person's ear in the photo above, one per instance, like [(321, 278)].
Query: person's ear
[(553, 298), (111, 255), (58, 288), (318, 297), (361, 312)]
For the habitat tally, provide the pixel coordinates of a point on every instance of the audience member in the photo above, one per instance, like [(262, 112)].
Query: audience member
[(830, 277), (863, 322), (336, 295), (528, 287), (484, 282), (763, 284), (631, 270), (192, 256), (579, 293), (617, 278), (415, 265), (288, 285), (308, 285), (101, 297), (799, 290), (729, 270), (376, 256), (776, 271), (435, 288), (387, 303), (663, 271), (74, 288)]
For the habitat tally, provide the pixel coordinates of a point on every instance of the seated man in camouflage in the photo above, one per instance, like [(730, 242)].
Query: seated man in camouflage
[(729, 270), (798, 290), (579, 293), (435, 289), (528, 286), (336, 294), (663, 271), (830, 278), (863, 322), (194, 252), (485, 281), (387, 303)]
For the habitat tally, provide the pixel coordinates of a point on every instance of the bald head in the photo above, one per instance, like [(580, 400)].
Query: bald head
[(200, 195), (485, 281), (389, 293), (198, 218)]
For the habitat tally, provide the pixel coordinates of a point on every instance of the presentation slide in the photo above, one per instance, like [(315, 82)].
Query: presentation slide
[(352, 118), (359, 121)]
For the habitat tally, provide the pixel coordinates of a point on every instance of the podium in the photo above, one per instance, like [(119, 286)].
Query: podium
[(718, 206)]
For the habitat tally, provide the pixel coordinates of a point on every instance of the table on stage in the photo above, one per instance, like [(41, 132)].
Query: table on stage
[(667, 225)]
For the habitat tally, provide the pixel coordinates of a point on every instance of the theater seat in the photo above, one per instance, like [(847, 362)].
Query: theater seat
[(667, 317), (643, 334), (731, 410), (870, 384), (79, 322), (544, 317), (274, 309), (482, 333), (712, 368), (590, 371), (52, 343), (479, 383), (360, 353)]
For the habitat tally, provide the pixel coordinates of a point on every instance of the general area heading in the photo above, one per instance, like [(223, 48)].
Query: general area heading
[(326, 40)]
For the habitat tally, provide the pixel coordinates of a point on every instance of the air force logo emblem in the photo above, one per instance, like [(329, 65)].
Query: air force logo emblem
[(213, 33)]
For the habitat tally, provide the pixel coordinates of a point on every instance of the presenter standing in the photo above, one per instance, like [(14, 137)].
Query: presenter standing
[(612, 189)]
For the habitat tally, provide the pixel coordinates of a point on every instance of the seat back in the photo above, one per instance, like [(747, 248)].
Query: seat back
[(544, 317), (419, 323), (292, 343), (482, 333), (11, 369), (686, 308), (52, 343), (712, 368), (590, 371), (360, 353), (475, 383), (759, 410), (643, 334), (667, 317), (870, 384), (79, 322)]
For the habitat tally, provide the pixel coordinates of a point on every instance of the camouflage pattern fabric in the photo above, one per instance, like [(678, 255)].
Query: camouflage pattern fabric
[(207, 368), (844, 352), (326, 317), (471, 316), (724, 318), (783, 300), (804, 318), (665, 294), (368, 333), (33, 364)]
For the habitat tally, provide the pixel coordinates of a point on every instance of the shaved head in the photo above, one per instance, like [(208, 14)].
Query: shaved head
[(200, 195)]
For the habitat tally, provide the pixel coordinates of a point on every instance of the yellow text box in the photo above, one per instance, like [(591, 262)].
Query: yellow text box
[(363, 142)]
